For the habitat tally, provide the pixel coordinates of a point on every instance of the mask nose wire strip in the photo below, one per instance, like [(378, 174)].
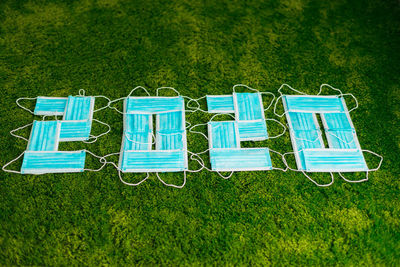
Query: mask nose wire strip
[(20, 128), (25, 98), (12, 171), (283, 126)]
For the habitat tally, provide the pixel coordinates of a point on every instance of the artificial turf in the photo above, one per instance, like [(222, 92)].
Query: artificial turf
[(107, 47)]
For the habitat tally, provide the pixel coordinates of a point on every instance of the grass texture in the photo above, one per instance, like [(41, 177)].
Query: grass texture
[(107, 47)]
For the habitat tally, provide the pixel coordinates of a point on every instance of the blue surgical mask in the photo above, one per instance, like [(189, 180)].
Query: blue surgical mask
[(50, 105), (39, 162)]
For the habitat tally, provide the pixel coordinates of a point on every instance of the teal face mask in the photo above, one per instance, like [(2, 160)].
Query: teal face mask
[(154, 104), (44, 136), (38, 162), (223, 134), (220, 104), (153, 161), (240, 159), (313, 104), (50, 105)]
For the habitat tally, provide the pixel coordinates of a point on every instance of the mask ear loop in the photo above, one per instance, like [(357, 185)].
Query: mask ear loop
[(172, 185), (196, 101), (125, 97), (101, 159), (95, 137), (7, 164), (281, 95), (340, 94), (20, 128), (320, 185), (168, 88), (283, 159), (302, 171), (106, 106), (367, 172), (280, 123), (25, 98)]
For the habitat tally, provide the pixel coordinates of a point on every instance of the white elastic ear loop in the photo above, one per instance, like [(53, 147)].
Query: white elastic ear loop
[(219, 114), (291, 88), (327, 85), (225, 177), (25, 98), (7, 164), (354, 181), (119, 170), (114, 101), (20, 128), (100, 159), (138, 87), (142, 143), (281, 95), (132, 184), (355, 99), (81, 92), (276, 102), (169, 88), (283, 126), (377, 155), (320, 185), (196, 132), (243, 85), (106, 106), (283, 159), (123, 98), (95, 137), (199, 161), (172, 185), (272, 101), (196, 101), (340, 94)]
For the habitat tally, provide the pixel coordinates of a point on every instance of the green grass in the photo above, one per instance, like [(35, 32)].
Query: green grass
[(53, 48)]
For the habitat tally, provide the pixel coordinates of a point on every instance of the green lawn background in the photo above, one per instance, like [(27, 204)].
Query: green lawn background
[(107, 47)]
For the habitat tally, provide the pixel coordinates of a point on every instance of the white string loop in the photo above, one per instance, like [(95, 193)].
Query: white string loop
[(25, 98), (20, 128)]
